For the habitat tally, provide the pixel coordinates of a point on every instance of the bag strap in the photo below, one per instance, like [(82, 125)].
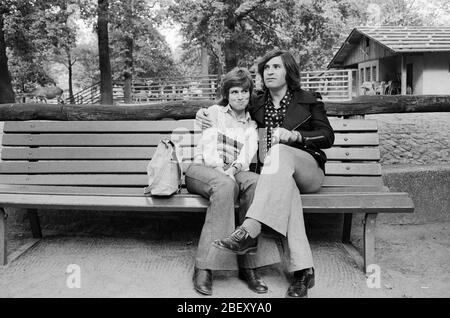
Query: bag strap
[(177, 159)]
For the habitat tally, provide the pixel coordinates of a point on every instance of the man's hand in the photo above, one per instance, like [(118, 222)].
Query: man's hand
[(202, 118), (284, 136)]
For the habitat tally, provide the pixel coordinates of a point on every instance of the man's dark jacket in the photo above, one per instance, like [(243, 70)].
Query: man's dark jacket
[(306, 114)]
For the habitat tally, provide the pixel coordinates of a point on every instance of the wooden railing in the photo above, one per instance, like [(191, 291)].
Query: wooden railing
[(159, 89), (88, 95), (335, 85)]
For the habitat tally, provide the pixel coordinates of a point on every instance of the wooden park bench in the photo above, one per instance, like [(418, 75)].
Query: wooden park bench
[(101, 165)]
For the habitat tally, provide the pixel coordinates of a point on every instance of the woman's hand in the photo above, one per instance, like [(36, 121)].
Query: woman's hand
[(202, 118), (284, 136), (231, 172)]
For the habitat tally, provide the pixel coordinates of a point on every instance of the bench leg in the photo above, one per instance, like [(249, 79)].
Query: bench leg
[(346, 231), (369, 239), (34, 222), (3, 251)]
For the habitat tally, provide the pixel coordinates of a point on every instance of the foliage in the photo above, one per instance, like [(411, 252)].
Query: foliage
[(137, 46), (317, 28), (235, 32), (24, 27)]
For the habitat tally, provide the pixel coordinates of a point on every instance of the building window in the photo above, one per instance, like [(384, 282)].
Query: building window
[(361, 75), (374, 73), (368, 74)]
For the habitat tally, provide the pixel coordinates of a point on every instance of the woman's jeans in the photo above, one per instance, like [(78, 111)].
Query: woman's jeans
[(223, 193)]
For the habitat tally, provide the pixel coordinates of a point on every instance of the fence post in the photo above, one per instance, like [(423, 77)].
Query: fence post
[(350, 84)]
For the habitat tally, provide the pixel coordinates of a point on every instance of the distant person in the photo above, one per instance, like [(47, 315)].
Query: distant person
[(296, 129), (220, 173)]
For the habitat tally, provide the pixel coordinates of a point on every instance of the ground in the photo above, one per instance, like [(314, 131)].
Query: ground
[(123, 257)]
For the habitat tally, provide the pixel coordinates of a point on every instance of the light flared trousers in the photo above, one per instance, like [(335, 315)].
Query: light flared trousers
[(277, 202)]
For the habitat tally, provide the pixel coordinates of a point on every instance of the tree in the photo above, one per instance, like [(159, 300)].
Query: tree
[(61, 33), (138, 48), (103, 53), (6, 91), (314, 28), (234, 32), (26, 43)]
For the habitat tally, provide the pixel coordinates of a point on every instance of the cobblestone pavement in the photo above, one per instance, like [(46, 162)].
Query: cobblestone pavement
[(415, 138)]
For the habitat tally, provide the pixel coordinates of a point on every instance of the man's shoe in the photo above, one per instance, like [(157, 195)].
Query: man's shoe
[(253, 280), (203, 281), (301, 283), (238, 242)]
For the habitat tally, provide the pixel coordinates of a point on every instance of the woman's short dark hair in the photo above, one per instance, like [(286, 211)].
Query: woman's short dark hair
[(292, 68), (238, 76)]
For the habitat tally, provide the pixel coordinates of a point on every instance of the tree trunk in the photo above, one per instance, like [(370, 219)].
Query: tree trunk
[(230, 46), (6, 91), (106, 90), (204, 60), (187, 109), (128, 73), (70, 65), (230, 54)]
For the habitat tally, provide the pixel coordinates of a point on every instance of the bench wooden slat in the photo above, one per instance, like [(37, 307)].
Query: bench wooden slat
[(354, 169), (148, 126), (141, 180), (94, 139), (140, 166), (354, 153), (137, 191), (99, 126), (77, 153), (353, 139), (349, 125), (118, 153), (64, 140), (317, 203)]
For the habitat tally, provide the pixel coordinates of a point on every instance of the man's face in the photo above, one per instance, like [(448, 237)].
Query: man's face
[(275, 73)]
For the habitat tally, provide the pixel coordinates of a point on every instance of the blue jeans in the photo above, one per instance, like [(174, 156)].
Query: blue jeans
[(220, 220)]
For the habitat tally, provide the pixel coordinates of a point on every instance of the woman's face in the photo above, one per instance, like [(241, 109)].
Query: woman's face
[(238, 98), (275, 73)]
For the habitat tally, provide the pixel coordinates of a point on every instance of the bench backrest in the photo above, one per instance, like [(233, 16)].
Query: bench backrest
[(116, 153)]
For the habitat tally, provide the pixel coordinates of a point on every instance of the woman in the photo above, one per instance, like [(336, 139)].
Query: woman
[(219, 172), (296, 128)]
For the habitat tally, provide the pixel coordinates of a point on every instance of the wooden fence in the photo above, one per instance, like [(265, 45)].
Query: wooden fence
[(175, 88), (333, 85)]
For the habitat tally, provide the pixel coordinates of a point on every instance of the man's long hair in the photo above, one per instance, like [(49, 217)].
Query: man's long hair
[(292, 68)]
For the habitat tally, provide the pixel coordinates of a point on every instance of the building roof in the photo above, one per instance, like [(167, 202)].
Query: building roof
[(398, 40)]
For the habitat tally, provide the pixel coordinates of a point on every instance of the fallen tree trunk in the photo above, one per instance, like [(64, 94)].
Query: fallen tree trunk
[(383, 104), (187, 109)]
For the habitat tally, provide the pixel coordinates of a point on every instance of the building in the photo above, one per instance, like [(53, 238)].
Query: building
[(397, 60)]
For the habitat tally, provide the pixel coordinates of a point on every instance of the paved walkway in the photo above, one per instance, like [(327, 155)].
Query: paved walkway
[(115, 261)]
